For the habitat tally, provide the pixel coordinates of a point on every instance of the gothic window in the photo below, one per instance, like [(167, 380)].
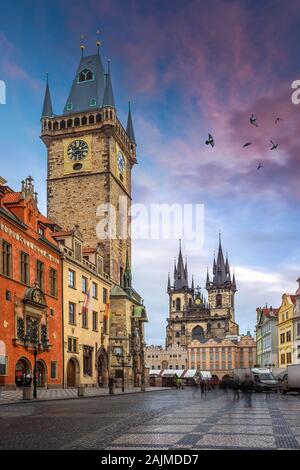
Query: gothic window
[(219, 300), (219, 325), (197, 333), (85, 76), (178, 304)]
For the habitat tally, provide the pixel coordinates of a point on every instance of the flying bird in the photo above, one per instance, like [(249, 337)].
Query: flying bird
[(210, 140), (259, 166), (247, 144), (253, 120), (278, 119), (274, 146)]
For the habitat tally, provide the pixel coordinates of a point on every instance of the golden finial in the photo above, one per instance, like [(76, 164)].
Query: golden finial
[(82, 46), (98, 42)]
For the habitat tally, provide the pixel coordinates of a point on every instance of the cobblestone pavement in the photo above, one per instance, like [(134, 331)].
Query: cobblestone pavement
[(173, 419), (14, 396)]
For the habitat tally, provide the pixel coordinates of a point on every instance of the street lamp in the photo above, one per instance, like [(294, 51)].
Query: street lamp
[(37, 347), (123, 359)]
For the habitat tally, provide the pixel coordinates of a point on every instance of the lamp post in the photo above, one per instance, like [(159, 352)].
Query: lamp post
[(143, 381), (122, 360), (37, 347)]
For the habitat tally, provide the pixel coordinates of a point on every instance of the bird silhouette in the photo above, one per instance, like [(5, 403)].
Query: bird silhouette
[(210, 140), (274, 146), (253, 120), (259, 166), (278, 119), (247, 144)]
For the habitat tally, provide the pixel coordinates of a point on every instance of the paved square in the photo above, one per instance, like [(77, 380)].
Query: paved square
[(169, 419)]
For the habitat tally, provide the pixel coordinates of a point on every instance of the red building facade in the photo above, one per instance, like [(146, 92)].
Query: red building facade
[(30, 293)]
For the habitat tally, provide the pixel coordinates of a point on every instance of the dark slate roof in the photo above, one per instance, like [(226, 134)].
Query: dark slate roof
[(81, 93), (129, 128), (108, 98), (47, 106)]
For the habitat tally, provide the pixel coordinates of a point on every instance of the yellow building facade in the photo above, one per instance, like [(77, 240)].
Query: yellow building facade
[(86, 291), (285, 330)]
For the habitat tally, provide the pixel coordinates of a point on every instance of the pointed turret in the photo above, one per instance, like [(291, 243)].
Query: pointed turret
[(127, 277), (88, 86), (233, 281), (192, 286), (180, 272), (220, 275), (47, 106), (129, 128), (169, 283), (108, 98), (207, 278)]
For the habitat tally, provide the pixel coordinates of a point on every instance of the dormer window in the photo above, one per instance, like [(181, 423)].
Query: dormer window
[(93, 102), (85, 76), (69, 106)]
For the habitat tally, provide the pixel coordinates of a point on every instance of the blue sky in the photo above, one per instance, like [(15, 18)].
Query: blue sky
[(189, 68)]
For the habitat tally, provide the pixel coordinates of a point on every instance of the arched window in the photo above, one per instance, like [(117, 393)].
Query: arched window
[(55, 126), (178, 304), (70, 123), (63, 124), (219, 300), (197, 333), (84, 121), (85, 76), (177, 334), (98, 118), (77, 122), (91, 119), (219, 325)]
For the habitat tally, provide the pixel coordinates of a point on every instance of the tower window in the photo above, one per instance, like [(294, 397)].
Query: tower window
[(178, 304), (85, 76), (219, 300)]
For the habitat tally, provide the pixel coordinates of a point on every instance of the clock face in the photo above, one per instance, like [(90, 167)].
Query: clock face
[(121, 162), (78, 150)]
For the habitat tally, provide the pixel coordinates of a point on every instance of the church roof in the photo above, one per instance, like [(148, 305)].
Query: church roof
[(87, 92)]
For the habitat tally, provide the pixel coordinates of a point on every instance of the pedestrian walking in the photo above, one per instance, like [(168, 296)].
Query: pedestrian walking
[(236, 389)]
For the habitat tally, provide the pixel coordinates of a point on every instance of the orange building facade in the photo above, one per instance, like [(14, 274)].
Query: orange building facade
[(30, 293)]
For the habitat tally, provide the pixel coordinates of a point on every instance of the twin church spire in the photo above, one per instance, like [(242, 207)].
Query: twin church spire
[(221, 273), (91, 90)]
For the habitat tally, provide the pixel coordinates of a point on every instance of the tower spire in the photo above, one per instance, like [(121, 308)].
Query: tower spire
[(108, 98), (180, 272), (47, 106), (129, 128), (127, 277)]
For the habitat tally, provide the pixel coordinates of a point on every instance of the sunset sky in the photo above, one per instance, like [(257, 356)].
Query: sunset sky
[(189, 67)]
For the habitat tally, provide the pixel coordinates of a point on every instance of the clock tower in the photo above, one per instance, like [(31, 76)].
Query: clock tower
[(90, 158)]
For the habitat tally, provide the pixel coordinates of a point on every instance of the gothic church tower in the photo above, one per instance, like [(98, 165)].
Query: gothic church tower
[(90, 158)]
